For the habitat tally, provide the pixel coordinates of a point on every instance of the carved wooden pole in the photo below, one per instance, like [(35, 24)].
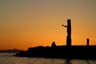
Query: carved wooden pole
[(68, 41)]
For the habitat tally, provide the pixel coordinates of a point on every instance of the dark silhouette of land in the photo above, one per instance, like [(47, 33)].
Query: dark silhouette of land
[(10, 51), (68, 52), (74, 52)]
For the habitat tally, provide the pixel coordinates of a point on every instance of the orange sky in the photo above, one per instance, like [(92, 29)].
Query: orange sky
[(32, 23)]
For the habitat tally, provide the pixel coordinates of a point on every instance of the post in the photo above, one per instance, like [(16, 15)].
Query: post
[(87, 41)]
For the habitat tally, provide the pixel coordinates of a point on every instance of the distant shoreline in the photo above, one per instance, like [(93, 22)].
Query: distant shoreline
[(10, 51)]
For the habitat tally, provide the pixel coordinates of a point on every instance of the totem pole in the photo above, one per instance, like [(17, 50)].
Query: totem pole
[(68, 26)]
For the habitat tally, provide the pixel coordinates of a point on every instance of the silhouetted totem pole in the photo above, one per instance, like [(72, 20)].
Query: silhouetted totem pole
[(68, 26)]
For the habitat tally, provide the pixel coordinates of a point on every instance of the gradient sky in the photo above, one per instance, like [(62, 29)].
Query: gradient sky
[(29, 23)]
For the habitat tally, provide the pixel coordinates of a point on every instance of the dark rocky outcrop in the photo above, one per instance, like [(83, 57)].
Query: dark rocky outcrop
[(73, 52)]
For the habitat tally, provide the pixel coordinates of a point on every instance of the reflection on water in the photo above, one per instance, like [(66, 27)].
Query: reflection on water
[(9, 59), (68, 61), (6, 54)]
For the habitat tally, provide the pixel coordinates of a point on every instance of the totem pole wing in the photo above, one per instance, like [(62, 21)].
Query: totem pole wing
[(64, 25)]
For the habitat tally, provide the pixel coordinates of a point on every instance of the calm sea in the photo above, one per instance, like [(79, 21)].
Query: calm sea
[(7, 58)]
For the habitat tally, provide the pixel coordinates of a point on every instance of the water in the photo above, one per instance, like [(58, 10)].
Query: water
[(7, 58)]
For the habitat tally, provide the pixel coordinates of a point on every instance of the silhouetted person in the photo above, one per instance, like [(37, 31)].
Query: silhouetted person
[(87, 41), (53, 44), (68, 41)]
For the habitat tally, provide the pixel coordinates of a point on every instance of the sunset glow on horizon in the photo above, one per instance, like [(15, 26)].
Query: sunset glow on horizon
[(30, 23)]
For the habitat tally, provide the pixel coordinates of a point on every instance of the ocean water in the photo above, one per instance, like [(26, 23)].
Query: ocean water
[(7, 58)]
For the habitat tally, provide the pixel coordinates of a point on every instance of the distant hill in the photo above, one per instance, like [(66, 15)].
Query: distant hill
[(10, 51)]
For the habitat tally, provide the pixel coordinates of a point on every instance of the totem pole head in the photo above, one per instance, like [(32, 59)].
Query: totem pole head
[(69, 21)]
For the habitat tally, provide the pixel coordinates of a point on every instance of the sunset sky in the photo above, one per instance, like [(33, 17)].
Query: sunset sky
[(30, 23)]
